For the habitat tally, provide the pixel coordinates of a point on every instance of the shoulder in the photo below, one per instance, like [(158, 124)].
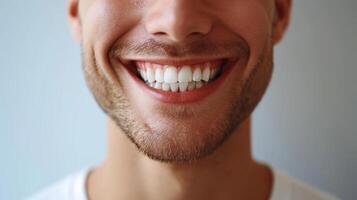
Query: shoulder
[(70, 188), (289, 188)]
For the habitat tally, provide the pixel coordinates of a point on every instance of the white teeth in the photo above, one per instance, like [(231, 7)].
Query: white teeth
[(150, 74), (205, 74), (159, 75), (143, 74), (185, 74), (169, 78), (197, 75), (174, 87), (158, 86), (183, 86), (165, 86), (191, 86), (199, 84), (170, 75)]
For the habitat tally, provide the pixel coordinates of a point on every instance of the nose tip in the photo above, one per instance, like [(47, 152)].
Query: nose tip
[(177, 21)]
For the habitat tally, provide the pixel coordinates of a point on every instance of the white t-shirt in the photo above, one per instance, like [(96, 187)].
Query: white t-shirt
[(284, 188)]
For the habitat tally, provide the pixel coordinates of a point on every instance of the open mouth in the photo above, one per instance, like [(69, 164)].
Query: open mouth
[(180, 82), (178, 78)]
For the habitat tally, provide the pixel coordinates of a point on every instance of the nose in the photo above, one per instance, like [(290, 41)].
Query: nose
[(177, 20)]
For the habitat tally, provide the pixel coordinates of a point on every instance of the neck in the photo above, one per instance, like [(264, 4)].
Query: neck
[(228, 173)]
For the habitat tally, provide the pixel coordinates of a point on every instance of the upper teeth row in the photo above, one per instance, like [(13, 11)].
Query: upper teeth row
[(172, 74)]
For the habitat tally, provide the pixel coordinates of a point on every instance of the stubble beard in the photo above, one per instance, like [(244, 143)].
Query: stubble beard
[(165, 147)]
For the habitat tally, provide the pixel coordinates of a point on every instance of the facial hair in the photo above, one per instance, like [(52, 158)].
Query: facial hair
[(182, 146)]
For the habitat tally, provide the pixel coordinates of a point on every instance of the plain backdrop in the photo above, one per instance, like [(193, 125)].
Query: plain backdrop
[(50, 125)]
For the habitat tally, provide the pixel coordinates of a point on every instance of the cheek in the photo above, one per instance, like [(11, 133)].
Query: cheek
[(105, 21), (252, 21)]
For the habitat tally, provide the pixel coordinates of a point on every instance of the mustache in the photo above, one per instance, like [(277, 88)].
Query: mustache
[(197, 48)]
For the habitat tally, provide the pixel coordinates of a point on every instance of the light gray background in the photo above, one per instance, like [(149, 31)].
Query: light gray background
[(50, 125)]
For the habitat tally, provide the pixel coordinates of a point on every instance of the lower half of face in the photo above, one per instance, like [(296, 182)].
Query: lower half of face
[(178, 102), (173, 124)]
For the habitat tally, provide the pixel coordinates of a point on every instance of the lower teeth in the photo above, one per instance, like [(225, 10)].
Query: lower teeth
[(177, 87)]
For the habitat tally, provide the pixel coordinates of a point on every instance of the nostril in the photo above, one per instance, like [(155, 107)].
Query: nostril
[(160, 33), (197, 34)]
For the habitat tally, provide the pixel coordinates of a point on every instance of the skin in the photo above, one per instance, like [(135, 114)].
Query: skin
[(198, 150)]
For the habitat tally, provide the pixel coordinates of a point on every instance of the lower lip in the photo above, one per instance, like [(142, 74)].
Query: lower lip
[(183, 97)]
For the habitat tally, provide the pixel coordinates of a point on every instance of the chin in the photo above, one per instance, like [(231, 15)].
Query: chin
[(183, 134)]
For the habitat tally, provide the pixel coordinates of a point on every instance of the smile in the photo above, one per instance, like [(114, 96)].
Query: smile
[(178, 78), (180, 81)]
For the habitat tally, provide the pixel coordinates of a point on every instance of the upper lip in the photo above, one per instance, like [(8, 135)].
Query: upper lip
[(176, 61)]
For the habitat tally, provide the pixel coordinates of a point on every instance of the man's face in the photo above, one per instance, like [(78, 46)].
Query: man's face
[(177, 76)]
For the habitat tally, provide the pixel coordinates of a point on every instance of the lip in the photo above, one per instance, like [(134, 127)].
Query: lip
[(182, 97), (179, 62)]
